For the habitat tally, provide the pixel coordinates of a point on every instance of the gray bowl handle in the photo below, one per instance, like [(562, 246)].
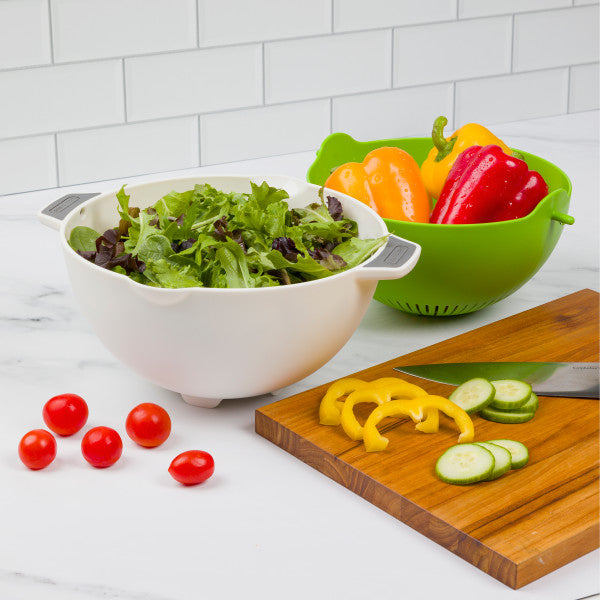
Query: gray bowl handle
[(54, 213), (397, 259)]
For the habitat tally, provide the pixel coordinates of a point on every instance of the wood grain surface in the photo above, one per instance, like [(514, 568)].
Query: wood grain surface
[(516, 528)]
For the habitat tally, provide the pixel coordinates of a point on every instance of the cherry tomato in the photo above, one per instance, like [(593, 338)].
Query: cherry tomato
[(192, 467), (148, 425), (65, 414), (101, 447), (37, 449)]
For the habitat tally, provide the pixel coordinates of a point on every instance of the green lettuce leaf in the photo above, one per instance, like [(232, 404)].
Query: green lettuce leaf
[(355, 251), (83, 238)]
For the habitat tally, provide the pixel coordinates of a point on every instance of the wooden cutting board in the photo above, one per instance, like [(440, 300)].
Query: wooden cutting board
[(517, 528)]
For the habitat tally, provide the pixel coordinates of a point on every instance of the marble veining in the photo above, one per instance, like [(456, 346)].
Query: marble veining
[(50, 589)]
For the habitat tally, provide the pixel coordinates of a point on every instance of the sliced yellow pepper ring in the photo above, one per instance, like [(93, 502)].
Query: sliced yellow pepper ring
[(431, 424), (382, 390), (415, 409), (350, 424), (330, 409)]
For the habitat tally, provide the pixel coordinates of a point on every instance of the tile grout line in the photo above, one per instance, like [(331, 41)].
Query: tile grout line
[(568, 103), (512, 44), (54, 134), (199, 131), (454, 124), (124, 80), (392, 59), (263, 75), (197, 9), (332, 6), (51, 31), (56, 166), (332, 32)]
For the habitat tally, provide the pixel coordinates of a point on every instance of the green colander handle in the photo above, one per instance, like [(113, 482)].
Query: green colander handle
[(562, 218)]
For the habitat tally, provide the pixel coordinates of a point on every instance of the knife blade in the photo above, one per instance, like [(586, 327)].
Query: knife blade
[(568, 379)]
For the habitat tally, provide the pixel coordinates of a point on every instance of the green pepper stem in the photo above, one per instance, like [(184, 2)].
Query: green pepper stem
[(444, 146)]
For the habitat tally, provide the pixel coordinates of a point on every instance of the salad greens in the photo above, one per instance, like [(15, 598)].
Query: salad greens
[(208, 238)]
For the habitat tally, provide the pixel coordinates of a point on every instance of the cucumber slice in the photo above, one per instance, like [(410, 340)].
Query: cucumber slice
[(473, 395), (530, 406), (463, 464), (510, 393), (489, 413), (502, 459), (518, 452)]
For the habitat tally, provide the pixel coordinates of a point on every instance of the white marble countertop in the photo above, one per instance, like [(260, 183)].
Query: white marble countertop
[(265, 525)]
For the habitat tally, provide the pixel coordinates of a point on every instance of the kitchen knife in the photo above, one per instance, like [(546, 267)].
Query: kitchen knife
[(569, 379)]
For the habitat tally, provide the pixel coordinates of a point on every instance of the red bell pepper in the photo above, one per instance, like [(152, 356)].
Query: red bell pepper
[(486, 185), (534, 190)]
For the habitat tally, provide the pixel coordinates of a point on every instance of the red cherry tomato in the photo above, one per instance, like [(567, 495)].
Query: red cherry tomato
[(101, 447), (192, 467), (148, 425), (37, 449), (65, 414)]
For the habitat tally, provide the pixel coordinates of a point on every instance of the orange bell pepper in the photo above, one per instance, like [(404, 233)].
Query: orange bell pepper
[(389, 181)]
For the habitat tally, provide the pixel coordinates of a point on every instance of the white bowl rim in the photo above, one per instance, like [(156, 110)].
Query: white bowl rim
[(204, 290)]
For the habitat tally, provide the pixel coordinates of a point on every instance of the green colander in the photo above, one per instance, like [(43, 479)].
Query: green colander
[(463, 268)]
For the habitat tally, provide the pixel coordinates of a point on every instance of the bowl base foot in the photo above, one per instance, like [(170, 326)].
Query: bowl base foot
[(202, 402)]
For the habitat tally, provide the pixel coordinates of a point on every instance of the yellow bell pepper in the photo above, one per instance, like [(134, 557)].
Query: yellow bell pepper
[(416, 409), (437, 165), (383, 390)]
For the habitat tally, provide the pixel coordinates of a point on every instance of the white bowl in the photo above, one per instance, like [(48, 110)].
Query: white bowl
[(209, 344)]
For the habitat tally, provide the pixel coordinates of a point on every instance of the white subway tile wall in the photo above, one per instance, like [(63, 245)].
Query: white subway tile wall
[(512, 97), (236, 21), (109, 152), (568, 36), (392, 113), (24, 33), (352, 15), (482, 8), (58, 98), (101, 89), (28, 163), (185, 83), (328, 65), (264, 131), (88, 29), (461, 50), (584, 90)]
